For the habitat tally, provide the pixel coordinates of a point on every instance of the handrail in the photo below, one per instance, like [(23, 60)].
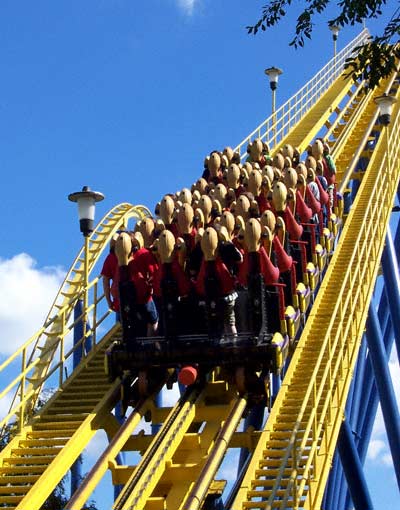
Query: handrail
[(340, 311), (35, 359), (61, 358), (279, 124)]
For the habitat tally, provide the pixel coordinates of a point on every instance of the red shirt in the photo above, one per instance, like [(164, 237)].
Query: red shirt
[(263, 203), (178, 274), (110, 266), (190, 240), (173, 227), (238, 191), (323, 195), (140, 271), (226, 280), (329, 176)]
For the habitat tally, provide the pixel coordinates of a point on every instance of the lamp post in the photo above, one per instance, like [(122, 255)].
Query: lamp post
[(273, 74), (385, 104), (86, 200), (335, 31)]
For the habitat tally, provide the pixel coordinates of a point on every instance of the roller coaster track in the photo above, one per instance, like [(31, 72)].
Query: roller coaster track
[(37, 358), (291, 457), (290, 465)]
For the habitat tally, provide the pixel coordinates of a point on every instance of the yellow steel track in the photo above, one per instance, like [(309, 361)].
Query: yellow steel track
[(290, 465), (291, 457)]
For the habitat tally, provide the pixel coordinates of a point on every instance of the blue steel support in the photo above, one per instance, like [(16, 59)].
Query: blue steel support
[(159, 403), (119, 415), (368, 424), (359, 383), (391, 276), (367, 411), (385, 389), (397, 239), (120, 458), (367, 418), (368, 383), (362, 381), (336, 489), (255, 419), (353, 469), (340, 489), (330, 490), (76, 468), (276, 385), (352, 406)]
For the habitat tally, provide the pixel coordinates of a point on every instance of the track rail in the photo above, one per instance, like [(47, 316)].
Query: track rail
[(206, 416)]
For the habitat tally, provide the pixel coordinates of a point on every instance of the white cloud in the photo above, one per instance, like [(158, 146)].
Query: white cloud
[(5, 403), (27, 294), (187, 6), (97, 445), (376, 446)]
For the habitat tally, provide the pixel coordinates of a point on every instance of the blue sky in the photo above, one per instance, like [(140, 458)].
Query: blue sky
[(128, 98)]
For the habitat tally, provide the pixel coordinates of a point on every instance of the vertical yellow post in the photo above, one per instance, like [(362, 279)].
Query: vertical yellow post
[(315, 427), (273, 74), (62, 357), (22, 392), (294, 469)]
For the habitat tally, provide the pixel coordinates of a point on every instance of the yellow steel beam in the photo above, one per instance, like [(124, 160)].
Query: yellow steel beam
[(143, 481), (220, 447), (107, 458)]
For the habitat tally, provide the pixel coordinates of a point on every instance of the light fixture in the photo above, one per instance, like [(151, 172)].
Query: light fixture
[(273, 74), (385, 104), (86, 200), (335, 31)]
